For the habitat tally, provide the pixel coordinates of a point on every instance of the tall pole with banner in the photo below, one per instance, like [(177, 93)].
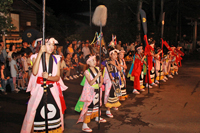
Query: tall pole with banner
[(144, 24), (99, 19)]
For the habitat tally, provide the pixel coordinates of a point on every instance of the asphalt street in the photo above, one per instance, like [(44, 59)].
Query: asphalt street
[(172, 108)]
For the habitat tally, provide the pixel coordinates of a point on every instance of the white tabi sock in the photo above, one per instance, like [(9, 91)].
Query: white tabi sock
[(85, 126), (108, 112)]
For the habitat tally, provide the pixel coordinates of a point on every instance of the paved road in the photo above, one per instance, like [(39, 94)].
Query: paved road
[(172, 108)]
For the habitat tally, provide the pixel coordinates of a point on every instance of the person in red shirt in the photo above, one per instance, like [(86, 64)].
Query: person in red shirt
[(138, 64)]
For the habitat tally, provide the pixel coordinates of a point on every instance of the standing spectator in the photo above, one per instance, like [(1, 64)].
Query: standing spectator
[(12, 49), (70, 66), (86, 50), (32, 47), (1, 55), (3, 50), (25, 48), (14, 70), (118, 46), (25, 67), (20, 71), (6, 79), (125, 47), (70, 49)]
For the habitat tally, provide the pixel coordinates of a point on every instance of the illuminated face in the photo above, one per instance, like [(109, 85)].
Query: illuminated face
[(92, 63), (121, 55), (114, 56), (49, 47), (13, 48)]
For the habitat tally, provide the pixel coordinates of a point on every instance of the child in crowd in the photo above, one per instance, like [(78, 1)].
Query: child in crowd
[(13, 69), (25, 67), (20, 72)]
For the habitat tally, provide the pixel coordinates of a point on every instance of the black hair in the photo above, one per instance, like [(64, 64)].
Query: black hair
[(11, 45), (22, 53), (73, 55), (14, 55), (97, 58), (1, 64), (67, 54), (80, 53), (87, 57)]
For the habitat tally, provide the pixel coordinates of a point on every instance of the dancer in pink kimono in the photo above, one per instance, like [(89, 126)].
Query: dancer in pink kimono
[(34, 120), (90, 94)]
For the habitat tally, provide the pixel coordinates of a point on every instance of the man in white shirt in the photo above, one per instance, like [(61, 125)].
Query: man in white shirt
[(86, 50)]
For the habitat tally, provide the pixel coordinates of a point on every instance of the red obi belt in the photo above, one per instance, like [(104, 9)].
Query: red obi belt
[(62, 100)]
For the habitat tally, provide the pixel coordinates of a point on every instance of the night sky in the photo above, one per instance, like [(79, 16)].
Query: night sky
[(68, 6)]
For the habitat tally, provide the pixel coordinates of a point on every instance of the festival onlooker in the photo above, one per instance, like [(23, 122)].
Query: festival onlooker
[(20, 71), (3, 50), (81, 62), (25, 67), (64, 70), (60, 51), (6, 79), (25, 48), (86, 50), (12, 49), (14, 70), (1, 55), (55, 52), (76, 64), (32, 47), (70, 49), (70, 66), (129, 57)]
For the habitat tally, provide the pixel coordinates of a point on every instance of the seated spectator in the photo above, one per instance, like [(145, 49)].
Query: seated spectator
[(55, 50), (6, 79), (70, 50), (86, 50), (129, 57), (76, 64), (81, 62), (70, 66), (60, 51), (64, 70)]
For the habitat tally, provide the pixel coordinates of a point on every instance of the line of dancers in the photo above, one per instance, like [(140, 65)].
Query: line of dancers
[(147, 70)]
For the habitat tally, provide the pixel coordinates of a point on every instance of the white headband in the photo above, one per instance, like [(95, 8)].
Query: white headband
[(52, 40), (112, 51), (90, 58)]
